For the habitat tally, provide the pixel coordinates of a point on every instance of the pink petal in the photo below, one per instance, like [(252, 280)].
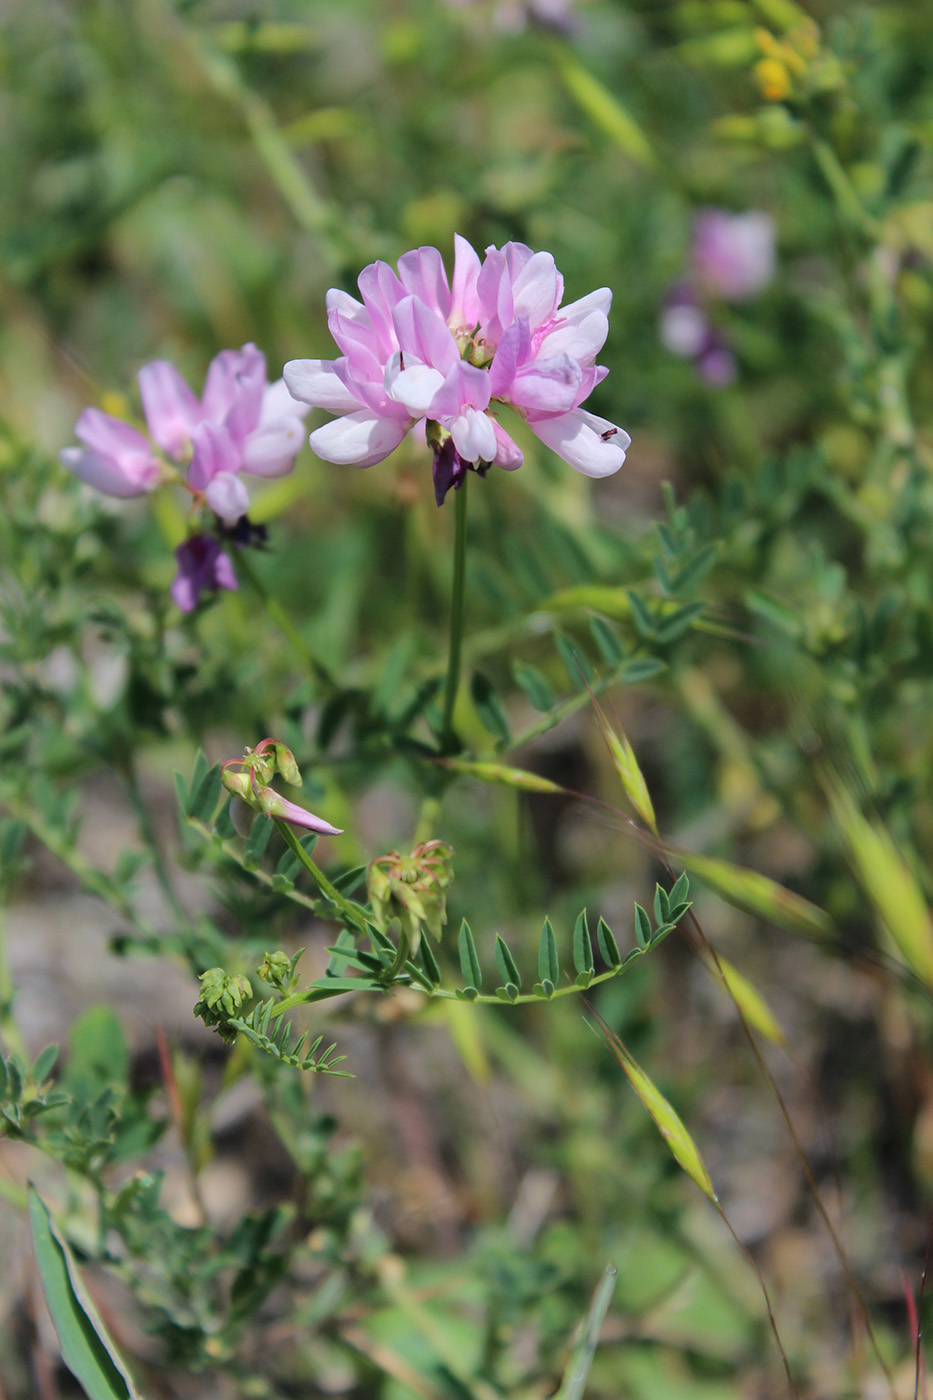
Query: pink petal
[(536, 291), (108, 475), (359, 439), (274, 805), (317, 383), (464, 311), (590, 444), (381, 291), (233, 390), (214, 451), (466, 386), (171, 408), (420, 332), (514, 349), (423, 273), (581, 337), (550, 386), (508, 454), (110, 436)]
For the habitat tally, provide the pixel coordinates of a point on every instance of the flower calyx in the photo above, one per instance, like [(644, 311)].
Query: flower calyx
[(412, 888), (249, 778)]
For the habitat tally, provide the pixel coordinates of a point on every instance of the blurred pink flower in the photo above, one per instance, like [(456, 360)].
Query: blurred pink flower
[(418, 347), (116, 458), (241, 424), (733, 255)]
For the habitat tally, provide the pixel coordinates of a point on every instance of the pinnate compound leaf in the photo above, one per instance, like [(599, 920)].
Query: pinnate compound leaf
[(469, 960), (87, 1349), (643, 668)]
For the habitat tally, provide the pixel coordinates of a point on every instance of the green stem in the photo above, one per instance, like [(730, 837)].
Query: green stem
[(351, 912), (283, 622), (448, 738)]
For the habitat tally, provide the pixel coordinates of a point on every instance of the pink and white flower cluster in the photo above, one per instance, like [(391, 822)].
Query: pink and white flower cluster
[(418, 347), (241, 424)]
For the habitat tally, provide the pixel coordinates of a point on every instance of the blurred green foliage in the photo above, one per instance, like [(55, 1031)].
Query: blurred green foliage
[(753, 594)]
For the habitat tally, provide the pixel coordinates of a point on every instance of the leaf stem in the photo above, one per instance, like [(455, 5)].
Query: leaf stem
[(351, 912), (448, 738)]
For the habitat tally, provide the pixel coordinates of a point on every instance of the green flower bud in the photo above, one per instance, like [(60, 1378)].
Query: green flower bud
[(276, 969)]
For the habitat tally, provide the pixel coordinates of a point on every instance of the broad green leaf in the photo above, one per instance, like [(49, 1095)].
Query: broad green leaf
[(204, 798), (87, 1349), (259, 837), (582, 944), (469, 961), (536, 687), (548, 962), (577, 663), (608, 947), (506, 964), (610, 648), (488, 706)]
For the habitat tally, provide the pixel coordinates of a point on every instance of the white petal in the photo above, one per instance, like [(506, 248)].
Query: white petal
[(474, 436), (414, 386), (227, 497), (317, 383), (272, 453), (590, 444), (278, 404), (359, 439), (581, 339)]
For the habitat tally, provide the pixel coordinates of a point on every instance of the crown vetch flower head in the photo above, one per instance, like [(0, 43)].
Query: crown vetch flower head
[(418, 347), (240, 424)]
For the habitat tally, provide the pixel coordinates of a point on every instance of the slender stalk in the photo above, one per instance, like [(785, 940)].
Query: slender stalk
[(283, 622), (351, 912), (448, 738)]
